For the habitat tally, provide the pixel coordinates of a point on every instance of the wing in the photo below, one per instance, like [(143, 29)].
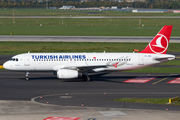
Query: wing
[(79, 68), (89, 68)]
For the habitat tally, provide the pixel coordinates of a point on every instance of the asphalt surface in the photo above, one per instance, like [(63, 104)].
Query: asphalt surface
[(99, 92), (135, 39)]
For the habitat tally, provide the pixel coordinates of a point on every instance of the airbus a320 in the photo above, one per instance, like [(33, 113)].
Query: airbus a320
[(74, 65)]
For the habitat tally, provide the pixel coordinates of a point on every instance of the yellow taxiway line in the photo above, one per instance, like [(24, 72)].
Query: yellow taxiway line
[(159, 80)]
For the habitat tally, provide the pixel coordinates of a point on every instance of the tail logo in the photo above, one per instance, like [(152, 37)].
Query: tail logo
[(159, 44)]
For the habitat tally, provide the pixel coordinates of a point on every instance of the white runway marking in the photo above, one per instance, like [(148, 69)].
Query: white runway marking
[(112, 113)]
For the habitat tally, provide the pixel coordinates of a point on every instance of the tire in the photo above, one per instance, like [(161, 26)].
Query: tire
[(27, 79), (87, 79)]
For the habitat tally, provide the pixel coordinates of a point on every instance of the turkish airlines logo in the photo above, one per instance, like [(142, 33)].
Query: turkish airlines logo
[(115, 65), (159, 44)]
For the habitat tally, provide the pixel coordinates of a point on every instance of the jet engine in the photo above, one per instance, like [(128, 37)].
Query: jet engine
[(65, 74)]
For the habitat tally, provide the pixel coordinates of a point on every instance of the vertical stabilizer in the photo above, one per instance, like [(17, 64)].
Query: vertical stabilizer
[(160, 42)]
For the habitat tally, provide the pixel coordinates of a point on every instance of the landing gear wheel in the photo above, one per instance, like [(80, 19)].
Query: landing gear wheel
[(85, 76), (87, 79), (26, 78)]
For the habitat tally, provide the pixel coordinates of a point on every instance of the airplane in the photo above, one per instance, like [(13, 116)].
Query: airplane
[(74, 65)]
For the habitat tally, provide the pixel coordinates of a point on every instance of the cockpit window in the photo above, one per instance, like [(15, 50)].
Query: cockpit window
[(14, 59)]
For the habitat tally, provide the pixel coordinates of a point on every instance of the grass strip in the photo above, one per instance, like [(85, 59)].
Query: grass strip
[(87, 26), (147, 100), (24, 47), (173, 62), (7, 48)]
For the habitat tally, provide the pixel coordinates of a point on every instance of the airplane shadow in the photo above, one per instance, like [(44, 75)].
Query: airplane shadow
[(96, 77)]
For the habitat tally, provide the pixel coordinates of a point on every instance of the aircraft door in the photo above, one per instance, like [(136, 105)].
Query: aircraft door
[(26, 60), (141, 60)]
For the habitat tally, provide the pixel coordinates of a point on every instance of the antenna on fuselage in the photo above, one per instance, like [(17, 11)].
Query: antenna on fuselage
[(28, 51), (104, 52)]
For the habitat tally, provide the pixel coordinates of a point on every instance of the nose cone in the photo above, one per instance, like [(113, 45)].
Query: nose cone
[(6, 65)]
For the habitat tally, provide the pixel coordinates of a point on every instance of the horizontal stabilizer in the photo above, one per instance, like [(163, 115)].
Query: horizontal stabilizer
[(166, 56)]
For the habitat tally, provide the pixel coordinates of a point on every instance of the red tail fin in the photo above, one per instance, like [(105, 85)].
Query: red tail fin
[(160, 42)]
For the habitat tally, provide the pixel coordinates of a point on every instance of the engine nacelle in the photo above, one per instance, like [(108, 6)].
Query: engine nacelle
[(65, 74)]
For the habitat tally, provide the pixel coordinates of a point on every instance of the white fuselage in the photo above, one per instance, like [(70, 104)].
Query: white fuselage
[(91, 62)]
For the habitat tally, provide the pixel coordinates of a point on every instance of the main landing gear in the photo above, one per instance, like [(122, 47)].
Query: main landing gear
[(27, 76), (86, 77)]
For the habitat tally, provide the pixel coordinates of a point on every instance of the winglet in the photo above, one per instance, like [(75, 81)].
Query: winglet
[(160, 42)]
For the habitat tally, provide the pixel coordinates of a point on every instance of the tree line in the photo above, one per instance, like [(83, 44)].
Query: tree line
[(160, 4)]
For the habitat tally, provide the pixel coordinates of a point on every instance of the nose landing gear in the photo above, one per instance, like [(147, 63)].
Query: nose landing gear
[(27, 76)]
